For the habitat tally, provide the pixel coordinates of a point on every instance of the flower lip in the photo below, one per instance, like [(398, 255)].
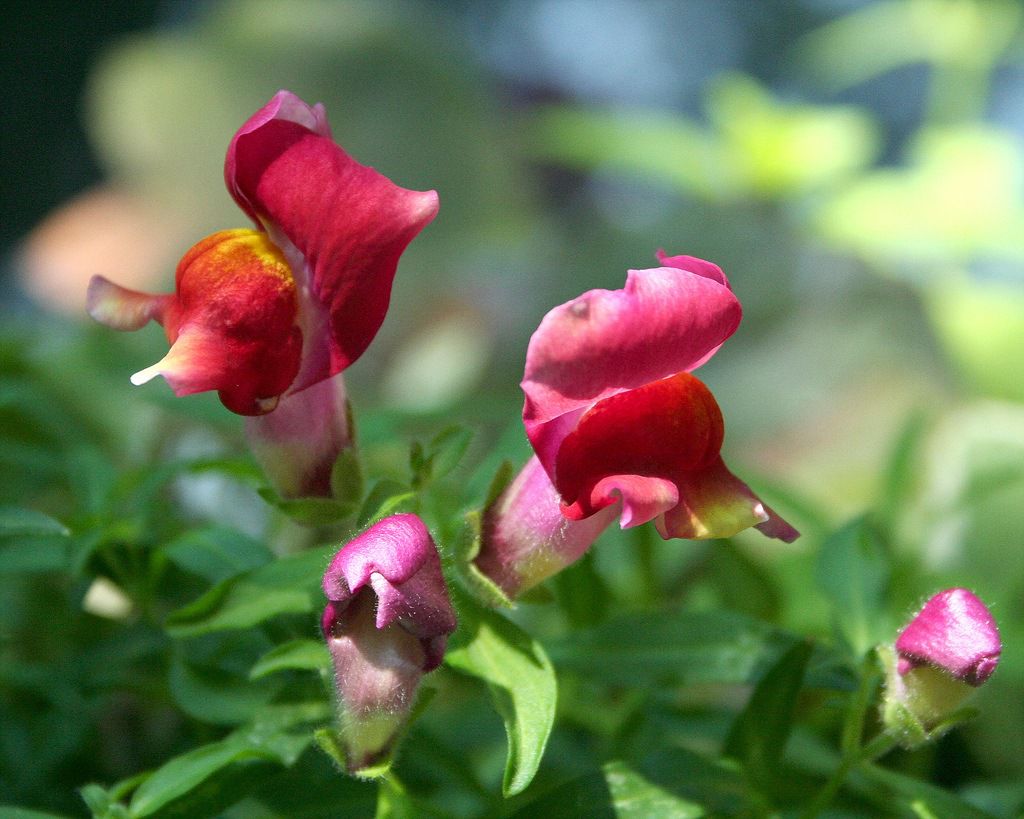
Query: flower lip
[(955, 633), (396, 560), (612, 412)]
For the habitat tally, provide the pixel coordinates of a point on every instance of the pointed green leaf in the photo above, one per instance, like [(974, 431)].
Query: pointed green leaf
[(290, 585), (759, 734), (217, 552), (853, 573), (521, 681), (302, 654)]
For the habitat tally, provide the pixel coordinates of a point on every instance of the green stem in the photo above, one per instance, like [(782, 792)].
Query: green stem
[(852, 751)]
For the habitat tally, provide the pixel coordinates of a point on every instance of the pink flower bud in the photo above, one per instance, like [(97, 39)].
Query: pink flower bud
[(955, 633), (949, 648), (386, 624), (525, 538)]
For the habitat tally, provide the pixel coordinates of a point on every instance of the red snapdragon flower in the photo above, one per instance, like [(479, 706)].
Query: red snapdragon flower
[(266, 312), (613, 412)]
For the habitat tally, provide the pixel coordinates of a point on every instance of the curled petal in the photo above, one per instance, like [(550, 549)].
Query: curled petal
[(232, 323), (348, 225), (123, 309), (397, 558), (657, 447), (955, 633), (665, 321), (692, 264)]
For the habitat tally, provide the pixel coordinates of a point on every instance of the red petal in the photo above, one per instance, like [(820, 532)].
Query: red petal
[(232, 325), (348, 224), (666, 320), (657, 447)]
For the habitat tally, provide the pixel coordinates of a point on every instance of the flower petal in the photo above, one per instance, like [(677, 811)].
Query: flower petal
[(657, 447), (666, 320), (398, 559), (232, 324), (120, 308), (954, 632), (347, 223)]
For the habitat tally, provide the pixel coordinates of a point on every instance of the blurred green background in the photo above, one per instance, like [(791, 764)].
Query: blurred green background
[(856, 168)]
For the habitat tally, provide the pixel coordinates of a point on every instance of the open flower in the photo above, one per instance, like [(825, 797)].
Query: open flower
[(614, 414), (262, 313), (386, 623), (949, 648)]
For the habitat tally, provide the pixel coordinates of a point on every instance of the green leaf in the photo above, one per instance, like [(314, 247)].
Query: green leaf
[(290, 585), (32, 542), (853, 573), (302, 654), (394, 802), (267, 738), (14, 812), (386, 498), (920, 798), (686, 646), (521, 681), (307, 511), (217, 552), (635, 797), (347, 479), (759, 734), (215, 695), (17, 522)]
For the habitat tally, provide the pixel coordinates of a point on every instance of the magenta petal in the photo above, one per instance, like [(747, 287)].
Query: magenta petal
[(692, 264), (955, 633), (286, 106), (347, 223), (665, 321), (397, 558)]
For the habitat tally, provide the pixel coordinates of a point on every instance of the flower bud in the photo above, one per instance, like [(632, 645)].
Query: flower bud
[(949, 648), (386, 624), (525, 538), (298, 443)]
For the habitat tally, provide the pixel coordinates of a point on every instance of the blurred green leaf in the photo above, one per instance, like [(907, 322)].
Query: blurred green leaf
[(691, 647), (308, 511), (32, 542), (216, 696), (347, 479), (615, 792), (920, 798), (759, 734), (386, 498), (521, 681), (290, 585), (853, 573), (301, 654), (217, 552), (440, 456), (14, 812)]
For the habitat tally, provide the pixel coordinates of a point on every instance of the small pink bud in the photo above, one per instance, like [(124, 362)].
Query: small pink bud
[(525, 538), (949, 648), (955, 633), (386, 624)]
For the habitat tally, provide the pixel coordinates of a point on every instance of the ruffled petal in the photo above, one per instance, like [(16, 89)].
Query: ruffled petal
[(347, 223), (665, 321), (657, 447), (232, 324)]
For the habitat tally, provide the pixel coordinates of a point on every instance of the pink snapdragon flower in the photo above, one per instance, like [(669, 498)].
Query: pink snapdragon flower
[(386, 623), (259, 314), (949, 648), (621, 428), (615, 416)]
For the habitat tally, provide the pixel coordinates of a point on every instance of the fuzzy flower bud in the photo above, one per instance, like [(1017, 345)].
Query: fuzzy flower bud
[(525, 538), (949, 648), (386, 624)]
